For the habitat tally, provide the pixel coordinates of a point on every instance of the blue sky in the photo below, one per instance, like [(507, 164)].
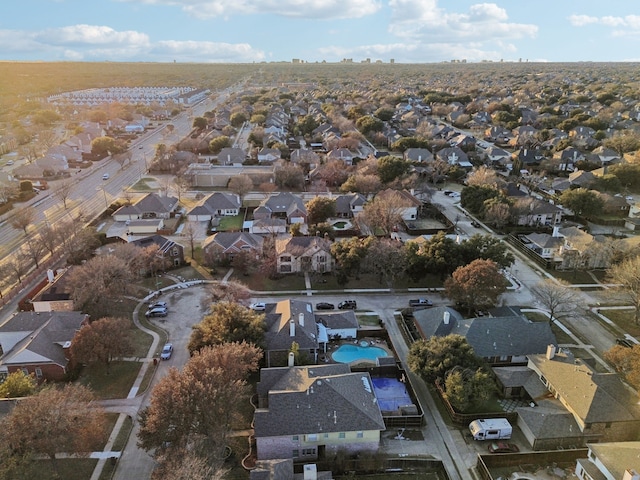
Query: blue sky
[(408, 31)]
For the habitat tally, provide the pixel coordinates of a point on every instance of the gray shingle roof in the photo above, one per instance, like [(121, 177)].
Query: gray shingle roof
[(319, 404), (278, 334)]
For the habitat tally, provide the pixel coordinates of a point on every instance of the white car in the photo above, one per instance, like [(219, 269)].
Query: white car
[(258, 306), (167, 350), (105, 176)]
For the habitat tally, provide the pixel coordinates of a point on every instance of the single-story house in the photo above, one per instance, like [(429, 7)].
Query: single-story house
[(231, 243), (38, 343), (150, 206), (217, 204)]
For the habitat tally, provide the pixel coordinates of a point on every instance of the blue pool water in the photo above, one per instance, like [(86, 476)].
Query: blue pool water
[(352, 353)]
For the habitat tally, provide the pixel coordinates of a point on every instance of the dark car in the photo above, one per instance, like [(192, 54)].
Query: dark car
[(348, 305), (156, 312), (503, 447), (623, 342), (324, 306)]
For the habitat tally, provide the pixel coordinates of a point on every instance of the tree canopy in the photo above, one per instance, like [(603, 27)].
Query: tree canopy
[(319, 209), (102, 341), (227, 322), (477, 285), (193, 409), (582, 201), (434, 357)]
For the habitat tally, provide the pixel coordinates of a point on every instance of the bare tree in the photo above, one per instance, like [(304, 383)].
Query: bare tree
[(485, 176), (19, 265), (34, 248), (164, 184), (189, 231), (123, 158), (62, 191), (626, 275), (241, 185), (23, 218), (557, 297), (384, 212), (181, 185)]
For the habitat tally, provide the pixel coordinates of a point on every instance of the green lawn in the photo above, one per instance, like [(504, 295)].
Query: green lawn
[(116, 384), (577, 277), (624, 320), (260, 282), (231, 224), (67, 468), (365, 280), (365, 320)]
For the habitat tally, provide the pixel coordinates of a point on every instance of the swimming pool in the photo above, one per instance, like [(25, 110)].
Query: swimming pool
[(352, 353)]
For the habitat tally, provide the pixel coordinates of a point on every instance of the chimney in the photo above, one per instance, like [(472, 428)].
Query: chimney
[(629, 474), (301, 319), (50, 275), (445, 318), (292, 328), (556, 232), (551, 351), (291, 361)]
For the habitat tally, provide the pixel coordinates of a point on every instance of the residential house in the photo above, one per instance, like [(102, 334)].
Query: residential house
[(289, 321), (574, 404), (607, 156), (303, 254), (334, 325), (38, 343), (610, 461), (170, 253), (283, 205), (208, 175), (56, 294), (581, 249), (498, 135), (568, 158), (231, 156), (614, 205), (418, 155), (151, 206), (544, 244), (581, 178), (47, 166), (406, 204), (534, 212), (231, 243), (305, 156), (529, 157), (463, 141), (267, 226), (349, 205), (217, 204), (454, 156), (632, 222), (268, 155), (497, 156), (506, 338), (327, 409), (342, 154)]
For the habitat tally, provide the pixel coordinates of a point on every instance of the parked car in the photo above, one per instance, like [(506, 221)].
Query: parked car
[(475, 224), (158, 305), (348, 305), (325, 306), (623, 342), (258, 306), (420, 302), (167, 350), (503, 447), (156, 312), (105, 176)]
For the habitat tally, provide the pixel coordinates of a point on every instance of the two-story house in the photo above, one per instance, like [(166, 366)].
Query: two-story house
[(327, 409), (303, 254)]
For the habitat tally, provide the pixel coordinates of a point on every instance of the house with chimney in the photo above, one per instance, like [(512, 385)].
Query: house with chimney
[(289, 321), (611, 460), (315, 411), (38, 343), (572, 404)]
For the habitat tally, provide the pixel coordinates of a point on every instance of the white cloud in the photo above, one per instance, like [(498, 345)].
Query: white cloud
[(424, 20), (629, 24), (91, 35), (89, 42), (314, 9)]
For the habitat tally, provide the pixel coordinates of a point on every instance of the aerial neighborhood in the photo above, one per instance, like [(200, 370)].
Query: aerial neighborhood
[(372, 271)]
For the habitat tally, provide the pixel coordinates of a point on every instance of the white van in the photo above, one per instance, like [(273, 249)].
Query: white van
[(491, 429)]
